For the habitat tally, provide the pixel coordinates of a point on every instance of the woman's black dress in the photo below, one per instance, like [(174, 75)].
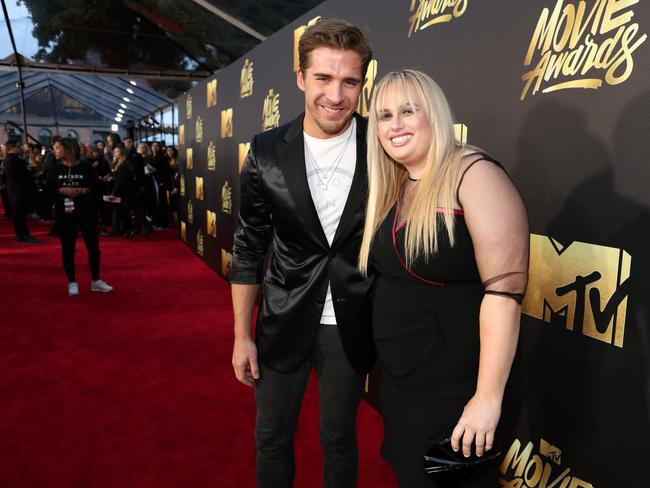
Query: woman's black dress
[(426, 330)]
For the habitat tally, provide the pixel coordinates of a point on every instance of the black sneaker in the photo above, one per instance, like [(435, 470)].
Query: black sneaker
[(28, 239)]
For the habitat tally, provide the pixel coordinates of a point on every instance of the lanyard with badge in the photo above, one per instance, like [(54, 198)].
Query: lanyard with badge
[(68, 203)]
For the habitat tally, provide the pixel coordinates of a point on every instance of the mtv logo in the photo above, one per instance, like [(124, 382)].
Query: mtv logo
[(226, 261), (363, 106), (181, 134), (550, 451), (226, 123), (297, 34), (243, 151), (189, 158), (199, 188), (211, 223), (461, 133), (580, 286), (211, 95)]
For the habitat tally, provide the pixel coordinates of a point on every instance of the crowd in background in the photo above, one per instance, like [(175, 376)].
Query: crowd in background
[(137, 192)]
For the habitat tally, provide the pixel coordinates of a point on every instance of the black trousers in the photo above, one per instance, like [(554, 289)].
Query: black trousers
[(68, 225), (19, 217), (278, 397)]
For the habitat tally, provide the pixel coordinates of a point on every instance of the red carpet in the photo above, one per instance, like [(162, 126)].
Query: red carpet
[(133, 388)]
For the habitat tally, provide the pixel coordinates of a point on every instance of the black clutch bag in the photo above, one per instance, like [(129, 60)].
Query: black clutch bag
[(450, 468)]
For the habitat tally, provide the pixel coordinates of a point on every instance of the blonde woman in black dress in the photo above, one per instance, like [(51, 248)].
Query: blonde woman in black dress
[(446, 234)]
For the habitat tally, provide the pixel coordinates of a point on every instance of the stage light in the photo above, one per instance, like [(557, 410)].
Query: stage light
[(133, 82), (130, 91), (122, 105), (126, 99), (114, 127)]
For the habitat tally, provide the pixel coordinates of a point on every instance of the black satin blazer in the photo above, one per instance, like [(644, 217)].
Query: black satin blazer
[(277, 209)]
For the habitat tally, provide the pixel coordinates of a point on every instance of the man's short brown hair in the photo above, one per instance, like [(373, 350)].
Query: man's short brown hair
[(336, 34)]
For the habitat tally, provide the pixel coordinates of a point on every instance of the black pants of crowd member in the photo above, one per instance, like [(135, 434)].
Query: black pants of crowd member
[(278, 397), (162, 215), (68, 226), (19, 216), (6, 204)]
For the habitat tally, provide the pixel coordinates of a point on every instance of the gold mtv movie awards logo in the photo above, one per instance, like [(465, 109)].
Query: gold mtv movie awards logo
[(190, 212), (188, 106), (211, 95), (181, 134), (182, 185), (226, 198), (297, 34), (199, 243), (183, 231), (366, 90), (271, 111), (226, 123), (199, 188), (198, 125), (581, 287), (246, 79), (189, 158), (460, 130), (523, 469), (426, 13), (577, 46), (211, 223), (212, 156), (226, 262), (243, 151)]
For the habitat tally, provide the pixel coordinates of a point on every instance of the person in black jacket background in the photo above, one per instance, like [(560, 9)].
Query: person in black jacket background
[(72, 184), (21, 190)]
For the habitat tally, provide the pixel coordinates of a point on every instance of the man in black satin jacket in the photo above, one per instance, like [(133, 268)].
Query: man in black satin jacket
[(304, 187)]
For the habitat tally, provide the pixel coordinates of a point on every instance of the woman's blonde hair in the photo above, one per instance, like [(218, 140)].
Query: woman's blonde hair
[(386, 177)]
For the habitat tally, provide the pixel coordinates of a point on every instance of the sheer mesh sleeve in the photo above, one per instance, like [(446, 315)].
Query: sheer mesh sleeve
[(498, 224)]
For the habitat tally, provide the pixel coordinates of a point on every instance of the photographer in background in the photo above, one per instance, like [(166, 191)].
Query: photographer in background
[(21, 190)]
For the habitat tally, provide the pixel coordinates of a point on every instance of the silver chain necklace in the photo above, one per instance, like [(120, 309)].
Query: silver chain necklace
[(325, 176)]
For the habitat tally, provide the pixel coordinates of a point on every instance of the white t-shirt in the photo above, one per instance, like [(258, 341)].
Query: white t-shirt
[(330, 165)]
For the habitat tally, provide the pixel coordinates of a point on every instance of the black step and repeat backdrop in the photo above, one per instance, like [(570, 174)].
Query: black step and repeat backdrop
[(560, 92)]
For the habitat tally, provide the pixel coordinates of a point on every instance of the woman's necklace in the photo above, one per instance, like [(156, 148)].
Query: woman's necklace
[(325, 176)]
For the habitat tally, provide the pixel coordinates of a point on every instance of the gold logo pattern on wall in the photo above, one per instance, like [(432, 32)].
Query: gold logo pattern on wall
[(243, 152), (200, 246), (522, 467), (188, 106), (226, 198), (211, 223), (425, 13), (271, 111), (226, 123), (182, 185), (226, 262), (366, 90), (211, 95), (189, 158), (297, 34), (577, 46), (199, 188), (246, 79), (198, 125), (461, 133), (183, 231), (190, 212), (181, 134), (581, 287), (212, 156)]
